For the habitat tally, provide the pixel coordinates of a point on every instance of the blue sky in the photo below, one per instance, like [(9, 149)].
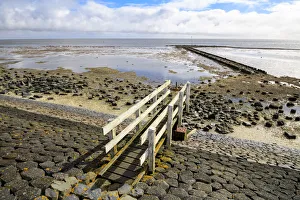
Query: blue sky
[(246, 19)]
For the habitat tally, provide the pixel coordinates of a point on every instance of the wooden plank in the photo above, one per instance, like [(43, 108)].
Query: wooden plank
[(123, 172), (169, 126), (151, 149), (160, 133), (125, 165), (111, 136), (116, 177), (133, 109), (128, 159), (131, 126), (137, 115)]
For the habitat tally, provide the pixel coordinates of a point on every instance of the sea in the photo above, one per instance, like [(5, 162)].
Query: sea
[(277, 57)]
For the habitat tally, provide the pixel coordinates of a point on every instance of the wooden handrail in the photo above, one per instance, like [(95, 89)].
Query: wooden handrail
[(106, 129)]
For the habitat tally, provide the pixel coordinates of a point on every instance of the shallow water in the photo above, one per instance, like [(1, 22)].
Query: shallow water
[(154, 69), (274, 62)]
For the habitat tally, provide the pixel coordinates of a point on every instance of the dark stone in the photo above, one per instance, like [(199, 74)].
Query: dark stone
[(280, 123), (5, 194), (269, 124), (156, 191), (32, 173), (180, 192), (9, 174), (16, 185), (28, 193), (42, 182), (289, 135)]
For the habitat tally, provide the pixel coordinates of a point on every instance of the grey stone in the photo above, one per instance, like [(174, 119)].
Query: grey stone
[(80, 189), (187, 177), (156, 191), (71, 180), (71, 197), (142, 185), (137, 192), (124, 189), (127, 197), (171, 174), (16, 185), (162, 184), (149, 197), (94, 194), (200, 176), (47, 164), (61, 186), (170, 197), (203, 187), (51, 194), (181, 193), (9, 173), (198, 193), (32, 173), (42, 182), (5, 194), (231, 188), (172, 182), (27, 164), (28, 193)]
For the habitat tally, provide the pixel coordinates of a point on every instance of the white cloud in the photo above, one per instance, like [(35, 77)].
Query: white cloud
[(176, 18)]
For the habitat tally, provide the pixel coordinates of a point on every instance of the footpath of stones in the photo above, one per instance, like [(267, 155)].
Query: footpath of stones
[(44, 157)]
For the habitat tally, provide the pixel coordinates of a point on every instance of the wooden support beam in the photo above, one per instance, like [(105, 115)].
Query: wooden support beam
[(137, 115), (111, 136), (154, 100), (180, 108), (188, 94), (151, 148), (169, 126)]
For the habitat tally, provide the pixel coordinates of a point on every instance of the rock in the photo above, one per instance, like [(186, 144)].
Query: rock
[(28, 193), (137, 192), (156, 191), (268, 124), (200, 176), (149, 197), (61, 186), (9, 174), (292, 98), (5, 194), (125, 189), (112, 195), (293, 111), (51, 194), (41, 198), (16, 185), (171, 197), (47, 164), (127, 197), (171, 174), (289, 135), (187, 177), (162, 184), (94, 194), (27, 164), (207, 188), (247, 124), (290, 104), (42, 182), (231, 188), (280, 123), (71, 180), (32, 173), (71, 197), (80, 189), (172, 182), (181, 193)]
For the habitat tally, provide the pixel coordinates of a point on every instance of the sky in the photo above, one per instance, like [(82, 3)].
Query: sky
[(232, 19)]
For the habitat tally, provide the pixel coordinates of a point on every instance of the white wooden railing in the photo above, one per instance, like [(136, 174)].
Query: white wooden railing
[(110, 128), (181, 100)]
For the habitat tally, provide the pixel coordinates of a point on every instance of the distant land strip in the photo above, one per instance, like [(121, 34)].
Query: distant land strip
[(235, 47)]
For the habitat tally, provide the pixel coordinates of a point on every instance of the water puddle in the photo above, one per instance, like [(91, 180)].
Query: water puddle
[(154, 69)]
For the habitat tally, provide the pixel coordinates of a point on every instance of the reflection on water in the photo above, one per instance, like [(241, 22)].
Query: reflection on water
[(274, 62), (154, 69)]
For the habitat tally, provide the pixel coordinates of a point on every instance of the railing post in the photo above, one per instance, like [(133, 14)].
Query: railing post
[(188, 94), (111, 135), (169, 126), (151, 148), (137, 114), (180, 108), (154, 100), (165, 99)]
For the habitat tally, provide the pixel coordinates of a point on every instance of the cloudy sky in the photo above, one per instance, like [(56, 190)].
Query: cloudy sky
[(250, 19)]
